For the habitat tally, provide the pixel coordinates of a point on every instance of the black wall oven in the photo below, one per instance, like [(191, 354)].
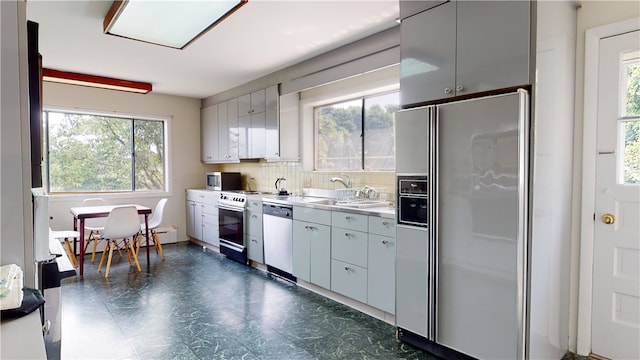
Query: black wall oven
[(231, 228), (413, 199)]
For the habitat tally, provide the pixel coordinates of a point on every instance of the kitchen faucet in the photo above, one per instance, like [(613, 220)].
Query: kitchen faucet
[(347, 184)]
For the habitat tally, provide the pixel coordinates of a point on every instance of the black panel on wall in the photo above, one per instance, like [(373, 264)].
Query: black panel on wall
[(35, 103)]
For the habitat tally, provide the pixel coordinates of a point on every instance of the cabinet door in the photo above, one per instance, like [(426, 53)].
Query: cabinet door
[(191, 218), (412, 271), (254, 223), (197, 226), (349, 280), (289, 126), (255, 249), (210, 232), (258, 101), (272, 134), (320, 250), (493, 45), (223, 132), (412, 126), (381, 273), (301, 250), (257, 148), (209, 134), (244, 105), (232, 129), (428, 55), (244, 127)]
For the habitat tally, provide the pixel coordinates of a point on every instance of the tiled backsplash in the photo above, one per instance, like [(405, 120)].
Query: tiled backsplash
[(266, 173)]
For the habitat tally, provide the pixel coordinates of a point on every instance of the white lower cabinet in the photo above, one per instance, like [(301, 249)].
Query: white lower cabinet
[(202, 216), (349, 280), (381, 285), (312, 252), (312, 245), (254, 233)]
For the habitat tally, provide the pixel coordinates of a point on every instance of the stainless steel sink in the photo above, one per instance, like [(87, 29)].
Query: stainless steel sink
[(311, 200), (361, 204)]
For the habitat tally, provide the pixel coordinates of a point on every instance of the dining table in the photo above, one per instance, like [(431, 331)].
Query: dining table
[(81, 213)]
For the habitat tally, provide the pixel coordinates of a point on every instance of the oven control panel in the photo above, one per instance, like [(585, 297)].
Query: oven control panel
[(232, 199)]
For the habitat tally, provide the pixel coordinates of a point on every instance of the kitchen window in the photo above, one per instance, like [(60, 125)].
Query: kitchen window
[(91, 153), (356, 134)]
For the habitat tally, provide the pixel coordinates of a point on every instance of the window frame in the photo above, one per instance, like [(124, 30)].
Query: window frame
[(374, 82), (167, 187)]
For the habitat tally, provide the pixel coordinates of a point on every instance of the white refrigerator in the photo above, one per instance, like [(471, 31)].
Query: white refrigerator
[(468, 270)]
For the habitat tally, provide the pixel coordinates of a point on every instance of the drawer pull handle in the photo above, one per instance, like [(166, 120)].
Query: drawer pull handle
[(347, 234), (254, 240), (385, 242), (348, 218), (254, 216), (347, 268), (385, 223), (311, 227)]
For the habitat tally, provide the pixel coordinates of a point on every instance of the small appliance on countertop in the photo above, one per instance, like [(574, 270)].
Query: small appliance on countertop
[(224, 181), (281, 189)]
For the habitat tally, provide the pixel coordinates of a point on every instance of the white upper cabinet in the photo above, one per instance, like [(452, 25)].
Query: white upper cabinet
[(209, 134), (271, 126), (463, 47)]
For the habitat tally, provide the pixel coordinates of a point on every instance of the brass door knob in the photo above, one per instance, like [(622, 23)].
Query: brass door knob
[(608, 219)]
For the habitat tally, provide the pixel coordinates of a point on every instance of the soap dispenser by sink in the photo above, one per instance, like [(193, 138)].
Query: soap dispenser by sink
[(281, 188)]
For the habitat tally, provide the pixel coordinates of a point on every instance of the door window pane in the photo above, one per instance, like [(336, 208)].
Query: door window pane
[(631, 151), (630, 122)]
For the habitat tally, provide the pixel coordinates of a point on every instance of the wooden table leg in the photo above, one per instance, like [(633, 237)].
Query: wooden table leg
[(81, 260)]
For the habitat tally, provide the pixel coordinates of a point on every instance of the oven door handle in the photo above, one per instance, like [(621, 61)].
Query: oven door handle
[(231, 245), (230, 208)]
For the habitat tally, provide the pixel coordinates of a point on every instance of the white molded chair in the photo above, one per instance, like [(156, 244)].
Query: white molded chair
[(122, 224), (63, 236), (154, 222), (93, 227)]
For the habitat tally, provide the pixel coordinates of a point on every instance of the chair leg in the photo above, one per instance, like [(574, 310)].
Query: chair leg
[(104, 252), (106, 274), (137, 240), (135, 257), (126, 248), (95, 246), (156, 240), (72, 256)]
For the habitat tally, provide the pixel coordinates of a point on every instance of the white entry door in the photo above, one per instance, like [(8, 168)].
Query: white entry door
[(616, 276)]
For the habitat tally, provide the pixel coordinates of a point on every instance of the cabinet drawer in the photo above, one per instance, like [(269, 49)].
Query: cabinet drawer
[(210, 219), (317, 216), (255, 248), (349, 221), (254, 205), (349, 246), (195, 195), (382, 226), (254, 223), (349, 280)]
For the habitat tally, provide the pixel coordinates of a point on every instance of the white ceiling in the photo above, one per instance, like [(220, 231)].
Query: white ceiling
[(261, 37)]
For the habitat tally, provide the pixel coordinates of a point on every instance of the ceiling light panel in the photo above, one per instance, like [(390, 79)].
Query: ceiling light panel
[(169, 23)]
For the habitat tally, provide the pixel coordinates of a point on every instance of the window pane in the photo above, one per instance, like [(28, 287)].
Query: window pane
[(631, 166), (149, 151), (338, 137), (89, 153), (379, 141), (632, 98)]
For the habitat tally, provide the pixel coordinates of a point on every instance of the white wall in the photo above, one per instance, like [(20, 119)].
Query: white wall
[(591, 14), (185, 169)]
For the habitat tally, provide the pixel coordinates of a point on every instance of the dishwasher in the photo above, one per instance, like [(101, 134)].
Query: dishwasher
[(277, 220)]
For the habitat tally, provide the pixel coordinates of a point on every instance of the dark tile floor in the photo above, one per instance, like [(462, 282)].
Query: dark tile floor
[(200, 305)]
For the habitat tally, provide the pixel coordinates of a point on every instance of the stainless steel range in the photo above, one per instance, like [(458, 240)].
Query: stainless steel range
[(231, 211)]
